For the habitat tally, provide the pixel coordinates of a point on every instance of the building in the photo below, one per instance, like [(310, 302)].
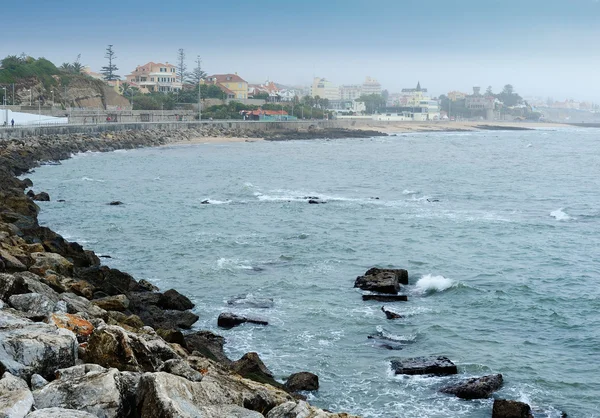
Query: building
[(477, 101), (350, 91), (268, 87), (234, 86), (371, 86), (413, 97), (456, 95), (155, 77), (266, 115), (325, 89)]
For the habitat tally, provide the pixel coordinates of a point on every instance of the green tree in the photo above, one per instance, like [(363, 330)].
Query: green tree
[(109, 71), (489, 92), (181, 66)]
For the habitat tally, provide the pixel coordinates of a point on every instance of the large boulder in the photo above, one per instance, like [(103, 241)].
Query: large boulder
[(28, 347), (172, 299), (476, 388), (230, 320), (218, 395), (252, 367), (24, 282), (10, 262), (424, 365), (111, 281), (118, 303), (511, 409), (34, 305), (60, 413), (50, 261), (302, 381), (156, 317), (76, 304), (87, 388), (208, 345), (112, 346), (383, 282), (16, 399), (181, 368), (81, 327), (301, 409), (401, 274)]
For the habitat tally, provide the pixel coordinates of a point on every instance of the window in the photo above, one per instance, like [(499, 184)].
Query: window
[(152, 79), (239, 85)]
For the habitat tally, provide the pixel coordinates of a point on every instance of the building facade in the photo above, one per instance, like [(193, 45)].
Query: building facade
[(325, 89), (155, 77), (234, 86), (350, 91), (371, 86)]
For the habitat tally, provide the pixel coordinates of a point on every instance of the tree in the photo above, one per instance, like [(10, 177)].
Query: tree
[(72, 68), (196, 75), (489, 91), (109, 71), (508, 89), (509, 97), (181, 67)]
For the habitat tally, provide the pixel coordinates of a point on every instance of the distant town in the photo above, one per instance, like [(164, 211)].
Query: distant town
[(28, 84)]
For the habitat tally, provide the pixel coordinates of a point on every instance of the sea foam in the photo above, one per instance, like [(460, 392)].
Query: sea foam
[(430, 284), (560, 215)]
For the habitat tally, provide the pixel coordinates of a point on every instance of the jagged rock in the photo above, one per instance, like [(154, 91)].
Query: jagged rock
[(112, 346), (172, 299), (10, 262), (476, 388), (74, 323), (16, 399), (386, 298), (24, 282), (155, 317), (384, 282), (424, 365), (250, 301), (301, 409), (147, 286), (131, 322), (230, 320), (401, 274), (252, 367), (34, 305), (76, 304), (172, 336), (42, 197), (60, 413), (141, 300), (510, 409), (50, 261), (113, 303), (390, 314), (111, 281), (180, 368), (302, 381), (217, 396), (38, 382), (28, 347), (94, 390), (208, 345)]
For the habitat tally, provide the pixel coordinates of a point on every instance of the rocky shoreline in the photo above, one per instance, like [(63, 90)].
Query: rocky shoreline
[(79, 339)]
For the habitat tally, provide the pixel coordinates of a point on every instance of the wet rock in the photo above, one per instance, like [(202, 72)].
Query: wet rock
[(50, 261), (172, 299), (145, 285), (424, 365), (316, 202), (386, 342), (390, 314), (205, 202), (42, 197), (510, 409), (111, 281), (16, 399), (476, 388), (113, 303), (386, 298), (112, 346), (34, 305), (302, 381), (74, 323), (180, 368), (60, 413), (384, 282), (252, 367), (38, 382), (251, 301), (94, 390), (208, 345), (169, 319), (230, 320), (116, 203), (172, 336), (401, 274)]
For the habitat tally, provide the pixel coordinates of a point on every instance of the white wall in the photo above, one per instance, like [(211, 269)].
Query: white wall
[(29, 119)]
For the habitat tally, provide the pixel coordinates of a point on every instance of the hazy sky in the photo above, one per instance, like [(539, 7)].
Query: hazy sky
[(542, 47)]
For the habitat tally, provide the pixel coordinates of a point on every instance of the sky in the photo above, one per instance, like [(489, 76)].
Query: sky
[(544, 48)]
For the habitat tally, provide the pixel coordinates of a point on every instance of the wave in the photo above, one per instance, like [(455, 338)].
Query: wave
[(234, 264), (215, 202), (407, 192), (560, 215), (432, 284), (89, 179)]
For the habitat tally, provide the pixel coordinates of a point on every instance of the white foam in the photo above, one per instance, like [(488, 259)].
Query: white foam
[(406, 192), (429, 283), (89, 179), (529, 145), (233, 263), (560, 215), (218, 202)]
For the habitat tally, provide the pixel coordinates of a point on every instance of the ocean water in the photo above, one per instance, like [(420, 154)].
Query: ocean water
[(500, 233)]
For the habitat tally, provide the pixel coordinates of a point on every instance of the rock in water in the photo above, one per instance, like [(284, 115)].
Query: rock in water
[(302, 381), (424, 365), (115, 203), (476, 388), (511, 409), (401, 274), (384, 282), (42, 197), (390, 314), (230, 320), (250, 301)]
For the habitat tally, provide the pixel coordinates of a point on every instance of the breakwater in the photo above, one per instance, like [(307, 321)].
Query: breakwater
[(84, 340)]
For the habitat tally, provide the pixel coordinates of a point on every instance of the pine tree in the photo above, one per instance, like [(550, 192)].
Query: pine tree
[(109, 71), (181, 67)]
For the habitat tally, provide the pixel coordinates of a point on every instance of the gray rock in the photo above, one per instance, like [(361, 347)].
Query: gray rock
[(424, 365), (208, 345), (401, 274), (180, 368), (16, 399), (172, 299), (511, 409), (61, 307), (302, 381), (50, 261), (38, 382), (476, 388), (60, 413), (384, 282), (28, 347), (11, 263), (118, 303), (35, 305), (77, 304), (290, 410), (386, 298), (24, 282)]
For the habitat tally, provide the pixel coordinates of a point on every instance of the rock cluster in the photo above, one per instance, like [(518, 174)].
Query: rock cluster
[(78, 339)]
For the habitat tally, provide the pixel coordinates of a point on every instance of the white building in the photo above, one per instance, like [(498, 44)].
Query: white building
[(371, 86), (350, 91), (325, 89)]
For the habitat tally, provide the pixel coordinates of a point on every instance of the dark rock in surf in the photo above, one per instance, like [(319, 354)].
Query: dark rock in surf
[(172, 299), (476, 388), (439, 366), (385, 342), (61, 200), (30, 193), (390, 314), (316, 202), (252, 367), (205, 202), (383, 282), (42, 197), (386, 298), (250, 301), (116, 203), (511, 409), (401, 274), (302, 381), (230, 320), (311, 198), (207, 344)]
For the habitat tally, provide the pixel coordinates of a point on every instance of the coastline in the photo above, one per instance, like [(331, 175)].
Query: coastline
[(407, 127)]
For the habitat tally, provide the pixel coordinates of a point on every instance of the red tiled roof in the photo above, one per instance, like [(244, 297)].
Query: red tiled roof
[(222, 78)]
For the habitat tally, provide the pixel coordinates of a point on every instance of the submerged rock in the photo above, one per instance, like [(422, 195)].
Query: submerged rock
[(251, 301), (476, 388), (390, 314), (207, 344), (424, 365), (41, 197), (230, 320), (510, 409), (116, 203)]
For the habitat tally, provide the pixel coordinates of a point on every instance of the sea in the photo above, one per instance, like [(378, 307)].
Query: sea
[(499, 231)]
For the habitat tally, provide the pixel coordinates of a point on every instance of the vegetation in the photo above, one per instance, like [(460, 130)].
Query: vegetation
[(72, 68), (181, 65), (15, 69), (373, 102), (110, 70)]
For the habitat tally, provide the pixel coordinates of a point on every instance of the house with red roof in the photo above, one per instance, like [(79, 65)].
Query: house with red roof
[(231, 84)]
